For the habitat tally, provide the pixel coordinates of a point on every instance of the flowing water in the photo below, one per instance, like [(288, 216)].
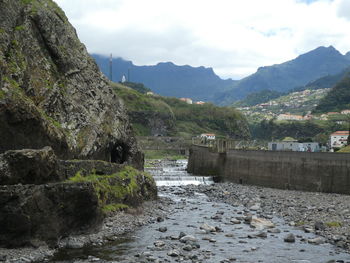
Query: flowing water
[(228, 243)]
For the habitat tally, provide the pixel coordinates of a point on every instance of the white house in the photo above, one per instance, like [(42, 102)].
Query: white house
[(339, 139), (208, 136), (345, 112)]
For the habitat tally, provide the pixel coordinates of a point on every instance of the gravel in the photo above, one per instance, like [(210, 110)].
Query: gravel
[(327, 215)]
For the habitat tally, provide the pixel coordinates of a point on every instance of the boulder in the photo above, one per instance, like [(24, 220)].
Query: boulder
[(29, 167), (47, 212)]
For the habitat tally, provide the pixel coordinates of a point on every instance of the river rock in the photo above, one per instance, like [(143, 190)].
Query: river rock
[(173, 253), (159, 243), (188, 238), (207, 228), (163, 229), (290, 238), (235, 221), (261, 223), (316, 240), (319, 225)]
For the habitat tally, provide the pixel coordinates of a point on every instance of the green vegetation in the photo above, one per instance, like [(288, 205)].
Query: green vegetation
[(333, 224), (316, 130), (2, 94), (137, 86), (163, 154), (337, 99), (114, 207), (26, 2), (19, 28), (258, 97), (112, 189), (207, 118), (345, 149), (180, 118)]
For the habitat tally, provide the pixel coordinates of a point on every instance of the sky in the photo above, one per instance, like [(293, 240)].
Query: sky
[(234, 37)]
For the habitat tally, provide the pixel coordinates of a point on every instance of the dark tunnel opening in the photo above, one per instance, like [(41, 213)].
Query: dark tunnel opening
[(119, 153)]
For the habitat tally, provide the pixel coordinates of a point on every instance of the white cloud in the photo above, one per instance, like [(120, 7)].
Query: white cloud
[(234, 37)]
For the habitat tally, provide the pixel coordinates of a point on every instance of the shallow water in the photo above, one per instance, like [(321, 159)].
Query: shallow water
[(192, 209)]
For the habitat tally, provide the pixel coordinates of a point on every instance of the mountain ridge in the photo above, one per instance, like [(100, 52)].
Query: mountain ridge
[(167, 78), (283, 77)]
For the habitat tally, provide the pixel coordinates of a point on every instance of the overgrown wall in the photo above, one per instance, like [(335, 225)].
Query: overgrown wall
[(324, 172)]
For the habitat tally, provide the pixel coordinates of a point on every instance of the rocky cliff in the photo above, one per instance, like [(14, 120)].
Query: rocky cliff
[(55, 101), (51, 91)]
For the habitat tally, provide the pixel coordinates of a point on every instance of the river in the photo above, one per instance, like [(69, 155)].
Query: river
[(200, 230)]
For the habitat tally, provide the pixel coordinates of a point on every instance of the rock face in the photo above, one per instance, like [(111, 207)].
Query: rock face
[(46, 212), (51, 91), (36, 205), (28, 167)]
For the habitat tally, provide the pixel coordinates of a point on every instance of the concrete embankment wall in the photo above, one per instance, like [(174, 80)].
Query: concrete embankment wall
[(324, 172)]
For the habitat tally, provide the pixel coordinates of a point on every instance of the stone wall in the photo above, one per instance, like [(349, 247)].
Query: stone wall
[(324, 172)]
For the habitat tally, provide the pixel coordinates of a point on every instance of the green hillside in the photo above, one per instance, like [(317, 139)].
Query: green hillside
[(338, 98), (258, 97), (153, 115)]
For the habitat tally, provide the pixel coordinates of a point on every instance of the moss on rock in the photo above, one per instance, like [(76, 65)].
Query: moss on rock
[(129, 187)]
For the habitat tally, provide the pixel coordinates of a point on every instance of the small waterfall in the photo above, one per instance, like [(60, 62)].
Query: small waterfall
[(173, 173)]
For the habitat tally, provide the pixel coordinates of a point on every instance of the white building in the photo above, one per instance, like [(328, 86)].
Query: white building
[(294, 146), (289, 117), (339, 139), (345, 112), (208, 136), (187, 100)]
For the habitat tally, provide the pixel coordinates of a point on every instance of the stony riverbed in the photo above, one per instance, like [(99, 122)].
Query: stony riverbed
[(213, 223)]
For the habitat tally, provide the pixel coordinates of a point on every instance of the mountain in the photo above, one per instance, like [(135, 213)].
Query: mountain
[(168, 79), (338, 98), (283, 77), (325, 82)]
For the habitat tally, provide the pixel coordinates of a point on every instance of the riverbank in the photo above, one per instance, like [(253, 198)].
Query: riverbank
[(327, 215), (218, 222), (113, 227)]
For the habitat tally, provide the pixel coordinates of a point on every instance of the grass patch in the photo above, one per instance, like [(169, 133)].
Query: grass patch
[(345, 149), (300, 223), (163, 154), (114, 207), (333, 224), (19, 28)]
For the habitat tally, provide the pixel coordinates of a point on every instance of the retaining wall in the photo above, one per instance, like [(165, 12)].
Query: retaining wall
[(323, 172)]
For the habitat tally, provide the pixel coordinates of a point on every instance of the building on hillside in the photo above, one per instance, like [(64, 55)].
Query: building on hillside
[(332, 113), (339, 139), (187, 100), (123, 79), (208, 136), (200, 102), (289, 117), (345, 112), (290, 144), (308, 117)]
